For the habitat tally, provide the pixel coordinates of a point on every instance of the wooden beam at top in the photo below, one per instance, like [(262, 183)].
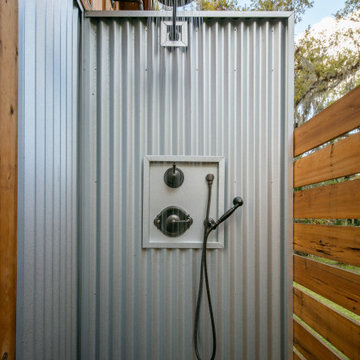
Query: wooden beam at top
[(100, 5), (105, 5), (8, 173)]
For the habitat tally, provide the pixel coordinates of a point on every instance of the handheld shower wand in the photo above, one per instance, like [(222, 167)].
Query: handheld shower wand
[(237, 202), (209, 225)]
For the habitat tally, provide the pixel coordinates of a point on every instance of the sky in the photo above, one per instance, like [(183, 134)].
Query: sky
[(320, 10), (314, 15)]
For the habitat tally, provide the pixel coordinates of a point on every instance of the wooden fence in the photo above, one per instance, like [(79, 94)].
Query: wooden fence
[(326, 238)]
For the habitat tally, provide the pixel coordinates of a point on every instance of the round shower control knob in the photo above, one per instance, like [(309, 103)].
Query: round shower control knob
[(174, 177), (176, 3), (173, 221)]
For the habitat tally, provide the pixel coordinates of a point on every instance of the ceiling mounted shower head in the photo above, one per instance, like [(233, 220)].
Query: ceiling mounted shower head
[(177, 2), (173, 35)]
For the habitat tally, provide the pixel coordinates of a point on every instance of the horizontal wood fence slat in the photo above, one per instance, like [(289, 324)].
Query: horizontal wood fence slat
[(340, 331), (335, 160), (339, 243), (311, 347), (338, 201), (295, 356), (339, 286), (336, 120)]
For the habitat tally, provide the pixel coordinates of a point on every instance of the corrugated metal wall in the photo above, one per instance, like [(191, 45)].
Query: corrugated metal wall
[(49, 41), (229, 94)]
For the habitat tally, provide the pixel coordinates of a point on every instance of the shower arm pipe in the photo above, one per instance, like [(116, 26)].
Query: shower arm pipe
[(174, 21)]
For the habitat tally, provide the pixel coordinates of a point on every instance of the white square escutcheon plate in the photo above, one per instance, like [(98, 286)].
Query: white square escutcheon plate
[(190, 197)]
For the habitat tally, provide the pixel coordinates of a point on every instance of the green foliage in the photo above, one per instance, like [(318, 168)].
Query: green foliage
[(350, 7), (229, 5), (298, 6), (322, 75)]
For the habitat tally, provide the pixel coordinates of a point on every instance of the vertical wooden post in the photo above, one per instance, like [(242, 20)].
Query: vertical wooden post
[(97, 4), (107, 5), (8, 173)]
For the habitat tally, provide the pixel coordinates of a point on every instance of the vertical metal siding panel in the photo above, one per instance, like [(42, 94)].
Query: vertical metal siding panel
[(251, 191), (269, 119), (228, 146), (87, 205), (39, 181), (241, 171), (245, 179), (29, 136), (67, 206), (263, 226), (104, 194), (49, 184), (74, 85), (63, 181), (47, 286), (232, 186), (278, 77), (142, 129), (221, 96), (56, 170)]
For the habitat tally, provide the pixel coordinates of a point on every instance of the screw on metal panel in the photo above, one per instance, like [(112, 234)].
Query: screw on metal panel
[(5, 356)]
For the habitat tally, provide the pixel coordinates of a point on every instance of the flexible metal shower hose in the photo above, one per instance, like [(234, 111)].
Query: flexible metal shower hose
[(204, 273)]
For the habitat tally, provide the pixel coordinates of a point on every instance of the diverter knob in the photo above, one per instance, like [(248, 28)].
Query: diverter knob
[(174, 177)]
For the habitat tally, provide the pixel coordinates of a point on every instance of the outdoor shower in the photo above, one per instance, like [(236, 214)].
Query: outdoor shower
[(105, 113), (173, 221)]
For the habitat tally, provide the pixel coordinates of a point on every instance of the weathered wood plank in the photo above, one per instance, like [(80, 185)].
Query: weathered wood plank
[(311, 347), (8, 173), (128, 5), (334, 161), (93, 4), (87, 4), (336, 120), (339, 330), (106, 5), (339, 286), (338, 201), (339, 243)]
